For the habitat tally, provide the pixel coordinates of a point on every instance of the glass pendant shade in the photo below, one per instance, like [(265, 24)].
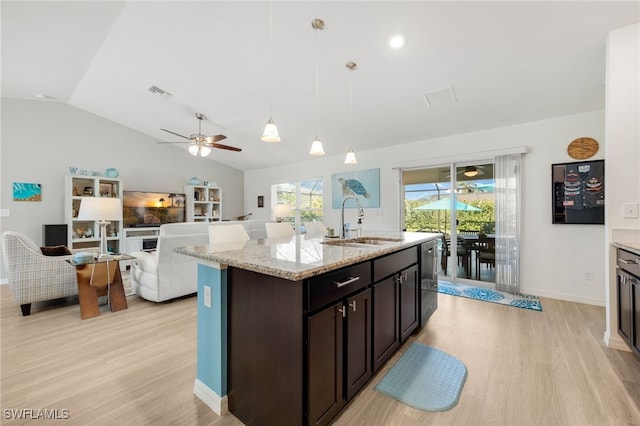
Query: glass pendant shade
[(270, 132), (316, 147), (202, 150), (351, 157)]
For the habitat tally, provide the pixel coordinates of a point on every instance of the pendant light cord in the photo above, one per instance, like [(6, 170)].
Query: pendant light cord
[(271, 59), (317, 72)]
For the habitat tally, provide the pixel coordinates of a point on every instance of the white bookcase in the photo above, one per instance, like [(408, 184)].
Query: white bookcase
[(86, 234), (204, 203)]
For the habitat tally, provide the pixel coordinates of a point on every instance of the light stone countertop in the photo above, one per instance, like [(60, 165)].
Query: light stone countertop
[(633, 246), (301, 256)]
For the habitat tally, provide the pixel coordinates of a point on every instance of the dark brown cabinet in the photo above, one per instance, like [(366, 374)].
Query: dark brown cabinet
[(358, 342), (395, 302), (300, 350), (628, 297), (325, 360), (338, 340)]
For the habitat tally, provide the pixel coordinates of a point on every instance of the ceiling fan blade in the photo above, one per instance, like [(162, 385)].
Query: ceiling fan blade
[(177, 134), (227, 147), (215, 138), (175, 142)]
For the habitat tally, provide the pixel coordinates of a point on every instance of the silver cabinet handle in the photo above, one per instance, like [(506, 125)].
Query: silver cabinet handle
[(628, 261), (343, 311), (353, 305), (348, 281)]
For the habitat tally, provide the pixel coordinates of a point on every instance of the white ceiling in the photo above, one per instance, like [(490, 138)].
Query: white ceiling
[(508, 62)]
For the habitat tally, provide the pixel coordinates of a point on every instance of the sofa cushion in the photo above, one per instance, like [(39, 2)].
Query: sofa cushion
[(55, 251)]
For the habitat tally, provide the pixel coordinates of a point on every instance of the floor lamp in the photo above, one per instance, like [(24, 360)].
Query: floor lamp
[(102, 210)]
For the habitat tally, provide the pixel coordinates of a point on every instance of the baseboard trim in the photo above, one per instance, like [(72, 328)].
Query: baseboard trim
[(210, 398), (565, 297), (613, 341)]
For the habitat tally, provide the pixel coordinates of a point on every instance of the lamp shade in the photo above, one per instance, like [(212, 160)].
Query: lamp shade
[(351, 157), (281, 210), (100, 209), (270, 132), (316, 147)]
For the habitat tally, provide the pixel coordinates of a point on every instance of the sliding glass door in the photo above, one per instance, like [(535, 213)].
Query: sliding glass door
[(458, 201)]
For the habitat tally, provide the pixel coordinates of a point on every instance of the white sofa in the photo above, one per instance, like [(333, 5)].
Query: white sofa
[(164, 274)]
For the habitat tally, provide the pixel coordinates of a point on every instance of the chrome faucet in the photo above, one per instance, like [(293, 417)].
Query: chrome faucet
[(343, 230)]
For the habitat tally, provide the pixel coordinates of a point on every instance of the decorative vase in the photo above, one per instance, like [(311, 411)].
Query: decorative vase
[(112, 173), (194, 181)]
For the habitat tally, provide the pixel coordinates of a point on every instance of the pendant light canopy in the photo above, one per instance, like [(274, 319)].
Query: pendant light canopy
[(351, 156), (270, 133), (316, 146)]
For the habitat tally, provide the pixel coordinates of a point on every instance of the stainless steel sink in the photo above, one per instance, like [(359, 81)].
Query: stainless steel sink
[(362, 241)]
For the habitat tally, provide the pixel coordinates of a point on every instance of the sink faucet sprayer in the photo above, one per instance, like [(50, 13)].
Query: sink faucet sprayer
[(343, 230)]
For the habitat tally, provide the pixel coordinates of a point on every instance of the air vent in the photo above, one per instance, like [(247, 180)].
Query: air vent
[(158, 91), (439, 97)]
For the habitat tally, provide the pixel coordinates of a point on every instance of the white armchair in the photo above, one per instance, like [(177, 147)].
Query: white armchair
[(34, 277), (165, 274)]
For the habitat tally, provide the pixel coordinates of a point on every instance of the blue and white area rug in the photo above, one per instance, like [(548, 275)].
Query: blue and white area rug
[(425, 378), (488, 295)]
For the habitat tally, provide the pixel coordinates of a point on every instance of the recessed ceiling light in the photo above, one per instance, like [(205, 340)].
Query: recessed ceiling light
[(397, 41)]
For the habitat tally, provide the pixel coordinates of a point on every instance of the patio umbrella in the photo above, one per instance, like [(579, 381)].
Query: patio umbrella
[(445, 204)]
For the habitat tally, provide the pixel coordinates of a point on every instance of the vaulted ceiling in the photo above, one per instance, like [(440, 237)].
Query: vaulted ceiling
[(485, 65)]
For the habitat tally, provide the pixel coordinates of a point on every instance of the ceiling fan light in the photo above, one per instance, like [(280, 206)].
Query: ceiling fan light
[(351, 157), (316, 147), (270, 132), (193, 150), (471, 171), (204, 151)]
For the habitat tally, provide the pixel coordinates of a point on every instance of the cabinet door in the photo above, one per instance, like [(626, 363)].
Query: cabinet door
[(325, 358), (624, 306), (386, 336), (358, 346), (409, 314), (635, 297)]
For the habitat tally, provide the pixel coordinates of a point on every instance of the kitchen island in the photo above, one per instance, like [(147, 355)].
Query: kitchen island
[(290, 329)]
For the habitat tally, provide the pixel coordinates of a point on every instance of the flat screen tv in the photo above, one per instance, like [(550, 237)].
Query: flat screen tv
[(144, 209)]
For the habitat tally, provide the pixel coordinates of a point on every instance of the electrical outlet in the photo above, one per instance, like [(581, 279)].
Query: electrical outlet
[(207, 296), (4, 212), (630, 210), (588, 276)]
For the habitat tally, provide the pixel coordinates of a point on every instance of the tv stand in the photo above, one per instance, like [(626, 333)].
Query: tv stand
[(139, 239)]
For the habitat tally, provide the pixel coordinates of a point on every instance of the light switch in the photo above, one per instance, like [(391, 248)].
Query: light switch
[(207, 296), (4, 212), (630, 210)]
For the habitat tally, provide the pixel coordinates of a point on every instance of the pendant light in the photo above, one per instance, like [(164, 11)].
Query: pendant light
[(351, 156), (270, 133), (316, 146)]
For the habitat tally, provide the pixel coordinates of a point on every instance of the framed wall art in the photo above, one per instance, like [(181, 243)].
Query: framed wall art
[(578, 192), (363, 184), (23, 191)]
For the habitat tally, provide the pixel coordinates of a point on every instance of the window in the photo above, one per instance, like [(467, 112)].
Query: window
[(304, 197)]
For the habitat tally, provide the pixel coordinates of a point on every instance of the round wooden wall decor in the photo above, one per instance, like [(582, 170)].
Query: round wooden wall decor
[(582, 148)]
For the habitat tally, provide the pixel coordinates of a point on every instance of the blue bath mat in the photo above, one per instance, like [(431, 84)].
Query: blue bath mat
[(425, 378), (518, 300)]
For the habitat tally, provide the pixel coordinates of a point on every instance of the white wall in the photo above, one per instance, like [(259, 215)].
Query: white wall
[(40, 140), (622, 154), (555, 258)]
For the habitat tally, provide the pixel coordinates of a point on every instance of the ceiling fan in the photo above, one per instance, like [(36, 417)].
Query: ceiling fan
[(201, 144)]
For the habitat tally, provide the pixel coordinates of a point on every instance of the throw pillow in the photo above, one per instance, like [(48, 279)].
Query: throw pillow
[(55, 251)]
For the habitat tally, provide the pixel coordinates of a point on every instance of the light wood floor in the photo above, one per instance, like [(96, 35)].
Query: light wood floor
[(137, 367)]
